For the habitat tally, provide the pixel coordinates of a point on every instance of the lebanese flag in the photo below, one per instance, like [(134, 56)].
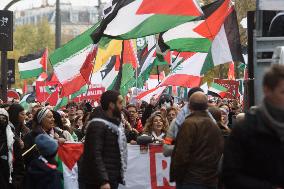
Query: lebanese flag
[(188, 73), (147, 95), (131, 19)]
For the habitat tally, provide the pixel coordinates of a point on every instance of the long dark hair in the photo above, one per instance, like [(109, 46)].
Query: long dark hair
[(14, 111)]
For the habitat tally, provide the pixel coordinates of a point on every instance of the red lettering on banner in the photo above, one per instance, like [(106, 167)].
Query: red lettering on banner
[(94, 93), (159, 180), (42, 94)]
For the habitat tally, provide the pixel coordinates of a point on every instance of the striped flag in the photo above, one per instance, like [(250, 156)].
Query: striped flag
[(147, 95), (197, 36), (68, 156), (131, 19), (217, 90), (31, 65), (187, 73), (69, 60)]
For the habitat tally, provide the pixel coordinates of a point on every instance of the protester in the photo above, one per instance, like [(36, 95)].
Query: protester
[(60, 129), (105, 150), (155, 128), (43, 123), (29, 117), (217, 115), (34, 108), (171, 114), (11, 162), (165, 101), (131, 134), (72, 110), (175, 125), (17, 119), (134, 120), (42, 172), (253, 156), (198, 149)]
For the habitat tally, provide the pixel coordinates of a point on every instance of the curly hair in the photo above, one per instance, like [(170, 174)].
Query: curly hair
[(148, 129)]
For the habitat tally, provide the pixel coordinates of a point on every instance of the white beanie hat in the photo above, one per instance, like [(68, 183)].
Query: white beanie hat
[(4, 112)]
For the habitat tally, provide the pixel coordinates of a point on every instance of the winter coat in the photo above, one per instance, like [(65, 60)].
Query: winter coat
[(29, 141), (18, 166), (254, 155), (198, 149), (101, 160), (42, 176)]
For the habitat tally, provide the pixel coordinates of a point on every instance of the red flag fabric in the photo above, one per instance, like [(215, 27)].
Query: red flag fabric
[(87, 68), (43, 61), (231, 72), (211, 26), (129, 55), (170, 7), (25, 87)]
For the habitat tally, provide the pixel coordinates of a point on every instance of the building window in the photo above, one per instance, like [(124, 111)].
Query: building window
[(65, 17), (74, 18), (84, 17)]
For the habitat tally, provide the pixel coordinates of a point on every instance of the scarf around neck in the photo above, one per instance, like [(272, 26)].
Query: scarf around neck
[(274, 123)]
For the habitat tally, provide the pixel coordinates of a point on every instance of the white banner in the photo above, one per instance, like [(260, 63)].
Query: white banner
[(147, 167)]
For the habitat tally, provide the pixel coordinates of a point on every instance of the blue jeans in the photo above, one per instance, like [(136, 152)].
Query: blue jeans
[(193, 186)]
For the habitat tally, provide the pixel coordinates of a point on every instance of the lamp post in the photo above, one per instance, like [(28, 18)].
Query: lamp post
[(57, 25)]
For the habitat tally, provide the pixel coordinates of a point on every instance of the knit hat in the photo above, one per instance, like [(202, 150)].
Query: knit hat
[(4, 112), (46, 145)]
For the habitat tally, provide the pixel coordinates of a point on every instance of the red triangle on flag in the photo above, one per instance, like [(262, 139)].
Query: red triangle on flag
[(170, 7), (87, 68), (129, 55), (211, 26), (70, 153), (54, 78)]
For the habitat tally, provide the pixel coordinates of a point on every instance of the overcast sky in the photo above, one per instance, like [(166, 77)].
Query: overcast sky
[(24, 4)]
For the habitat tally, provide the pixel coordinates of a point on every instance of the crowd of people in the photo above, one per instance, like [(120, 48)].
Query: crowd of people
[(212, 144)]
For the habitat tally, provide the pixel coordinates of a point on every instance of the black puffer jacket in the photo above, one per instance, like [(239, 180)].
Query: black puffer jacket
[(254, 155), (101, 161)]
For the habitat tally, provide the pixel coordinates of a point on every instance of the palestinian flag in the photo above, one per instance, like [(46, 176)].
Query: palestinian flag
[(227, 41), (217, 90), (131, 19), (61, 102), (68, 156), (187, 73), (32, 65), (197, 36), (147, 95), (68, 61)]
